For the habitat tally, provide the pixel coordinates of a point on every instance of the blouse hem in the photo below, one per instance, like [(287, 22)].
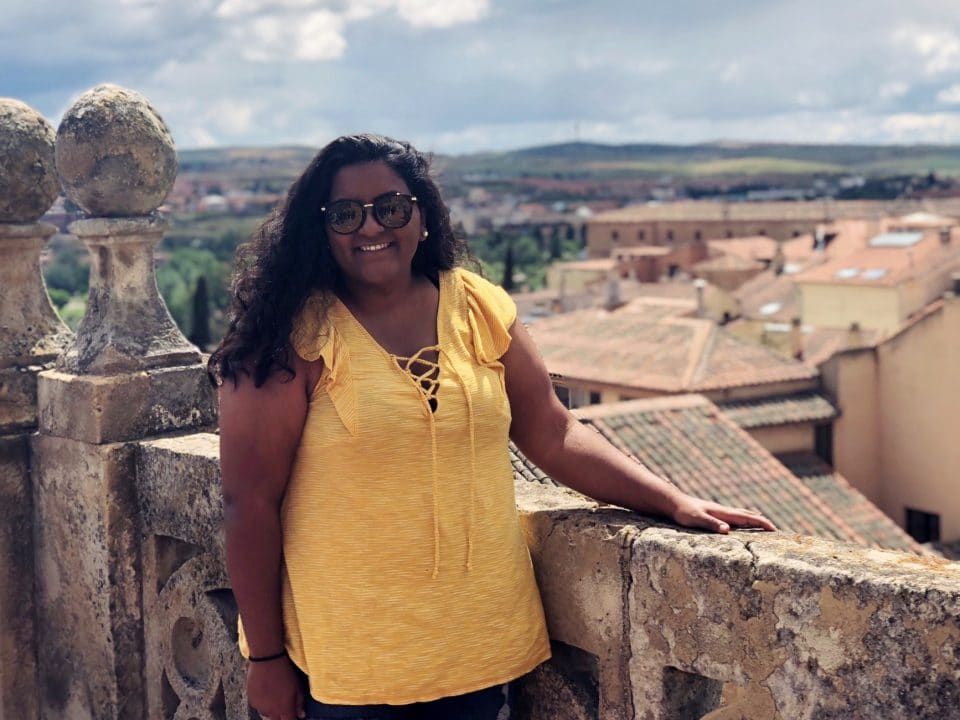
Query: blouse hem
[(482, 684)]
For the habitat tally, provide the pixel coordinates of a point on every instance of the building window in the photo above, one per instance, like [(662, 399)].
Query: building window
[(669, 235), (563, 394), (641, 235), (615, 236), (796, 233), (823, 443), (729, 234), (923, 526), (698, 235), (762, 232), (594, 398)]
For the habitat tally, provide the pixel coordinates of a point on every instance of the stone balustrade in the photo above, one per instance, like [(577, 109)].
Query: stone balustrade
[(648, 621), (114, 596)]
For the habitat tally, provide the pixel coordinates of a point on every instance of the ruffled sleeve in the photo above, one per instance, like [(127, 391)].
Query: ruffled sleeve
[(313, 339), (491, 313)]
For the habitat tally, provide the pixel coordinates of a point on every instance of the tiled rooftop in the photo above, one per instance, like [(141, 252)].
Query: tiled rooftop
[(868, 520), (728, 262), (760, 294), (885, 266), (690, 441), (669, 355), (764, 412)]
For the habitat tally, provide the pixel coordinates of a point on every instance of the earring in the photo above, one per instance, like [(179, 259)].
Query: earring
[(425, 234)]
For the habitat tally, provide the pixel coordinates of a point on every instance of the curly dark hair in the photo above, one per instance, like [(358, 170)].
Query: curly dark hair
[(288, 258)]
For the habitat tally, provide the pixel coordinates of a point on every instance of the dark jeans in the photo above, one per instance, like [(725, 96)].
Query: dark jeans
[(480, 705)]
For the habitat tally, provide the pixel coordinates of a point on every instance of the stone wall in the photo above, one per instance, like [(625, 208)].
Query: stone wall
[(660, 623), (649, 622)]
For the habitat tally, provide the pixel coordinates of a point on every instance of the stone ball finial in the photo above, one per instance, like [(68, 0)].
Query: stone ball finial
[(28, 177), (115, 155)]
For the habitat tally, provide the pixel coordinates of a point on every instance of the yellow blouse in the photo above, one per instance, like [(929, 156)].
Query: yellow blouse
[(406, 576)]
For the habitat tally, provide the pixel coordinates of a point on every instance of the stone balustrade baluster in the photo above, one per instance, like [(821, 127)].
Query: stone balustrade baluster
[(31, 337), (128, 374)]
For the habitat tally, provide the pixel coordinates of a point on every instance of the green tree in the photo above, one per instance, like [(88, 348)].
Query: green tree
[(200, 321), (556, 247), (507, 282)]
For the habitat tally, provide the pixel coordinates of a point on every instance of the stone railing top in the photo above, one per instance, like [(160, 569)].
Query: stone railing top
[(28, 176), (172, 469), (783, 626), (115, 154)]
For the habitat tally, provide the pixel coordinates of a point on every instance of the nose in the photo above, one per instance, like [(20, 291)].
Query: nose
[(370, 225)]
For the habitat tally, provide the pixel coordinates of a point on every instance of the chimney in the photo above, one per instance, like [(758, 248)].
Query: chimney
[(854, 336), (796, 339), (700, 284), (779, 259), (613, 294)]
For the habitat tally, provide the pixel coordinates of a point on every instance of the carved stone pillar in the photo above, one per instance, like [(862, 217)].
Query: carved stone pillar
[(128, 374), (31, 337)]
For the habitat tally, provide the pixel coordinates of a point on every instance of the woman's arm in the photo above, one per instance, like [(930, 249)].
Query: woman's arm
[(260, 431), (579, 457)]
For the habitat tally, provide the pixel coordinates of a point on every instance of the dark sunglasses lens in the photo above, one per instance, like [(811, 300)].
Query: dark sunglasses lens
[(345, 216), (393, 211)]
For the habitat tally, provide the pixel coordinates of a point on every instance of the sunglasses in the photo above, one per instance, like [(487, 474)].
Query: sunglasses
[(392, 210)]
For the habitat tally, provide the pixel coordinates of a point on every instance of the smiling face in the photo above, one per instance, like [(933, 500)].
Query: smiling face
[(373, 256)]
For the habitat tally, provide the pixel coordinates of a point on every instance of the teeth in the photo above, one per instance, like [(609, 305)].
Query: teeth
[(373, 248)]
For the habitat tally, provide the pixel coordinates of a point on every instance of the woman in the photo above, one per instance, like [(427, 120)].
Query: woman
[(372, 538)]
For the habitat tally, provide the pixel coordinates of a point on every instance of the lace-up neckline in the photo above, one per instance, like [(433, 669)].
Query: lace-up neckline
[(424, 372)]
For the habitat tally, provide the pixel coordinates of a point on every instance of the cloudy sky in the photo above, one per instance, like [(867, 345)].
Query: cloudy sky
[(468, 75)]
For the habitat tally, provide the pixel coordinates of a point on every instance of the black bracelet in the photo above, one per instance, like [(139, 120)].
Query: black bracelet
[(268, 658)]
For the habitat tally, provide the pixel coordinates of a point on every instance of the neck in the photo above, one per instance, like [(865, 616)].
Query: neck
[(375, 298)]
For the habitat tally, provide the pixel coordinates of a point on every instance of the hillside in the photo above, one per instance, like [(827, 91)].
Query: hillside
[(594, 161)]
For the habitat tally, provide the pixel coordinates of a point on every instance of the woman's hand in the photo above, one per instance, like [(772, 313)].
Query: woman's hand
[(694, 512), (273, 689)]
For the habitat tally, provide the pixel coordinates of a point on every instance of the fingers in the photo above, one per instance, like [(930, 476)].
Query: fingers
[(742, 517)]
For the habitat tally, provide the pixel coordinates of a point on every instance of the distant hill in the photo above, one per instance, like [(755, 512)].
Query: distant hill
[(714, 159), (599, 161)]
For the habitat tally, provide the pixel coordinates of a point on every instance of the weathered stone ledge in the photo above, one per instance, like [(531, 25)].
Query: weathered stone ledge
[(655, 622)]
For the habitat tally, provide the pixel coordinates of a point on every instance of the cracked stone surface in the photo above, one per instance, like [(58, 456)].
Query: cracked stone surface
[(748, 626), (28, 176), (114, 153)]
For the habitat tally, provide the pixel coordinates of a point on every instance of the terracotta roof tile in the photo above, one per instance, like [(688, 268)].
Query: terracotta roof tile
[(690, 441), (885, 266), (669, 354), (764, 412), (868, 520)]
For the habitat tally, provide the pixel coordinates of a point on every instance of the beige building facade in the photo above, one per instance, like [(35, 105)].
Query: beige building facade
[(883, 285), (690, 222), (896, 439)]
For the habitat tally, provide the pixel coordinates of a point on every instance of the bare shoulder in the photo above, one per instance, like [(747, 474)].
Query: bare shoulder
[(261, 428)]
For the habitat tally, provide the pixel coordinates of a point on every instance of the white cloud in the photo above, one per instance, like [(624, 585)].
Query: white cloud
[(950, 95), (917, 128), (242, 8), (732, 73), (810, 98), (317, 35), (441, 13), (893, 90), (940, 49)]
